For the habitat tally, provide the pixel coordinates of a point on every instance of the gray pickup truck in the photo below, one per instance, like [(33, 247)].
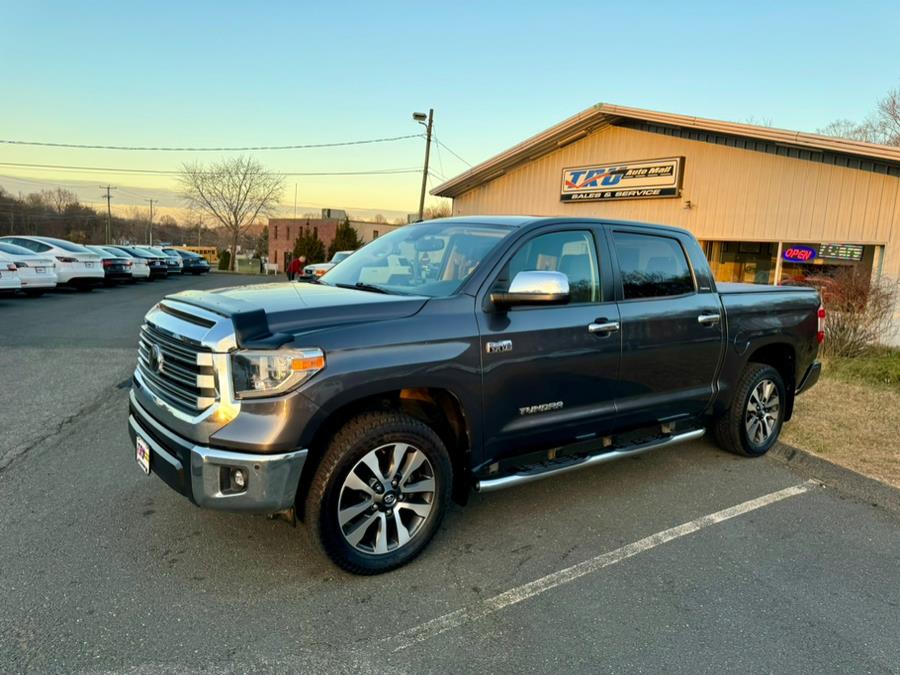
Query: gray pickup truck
[(458, 354)]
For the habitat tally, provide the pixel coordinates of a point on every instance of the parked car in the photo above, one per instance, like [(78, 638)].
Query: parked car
[(158, 267), (9, 275), (76, 266), (524, 348), (191, 262), (36, 274), (172, 260), (140, 268), (116, 266), (317, 270)]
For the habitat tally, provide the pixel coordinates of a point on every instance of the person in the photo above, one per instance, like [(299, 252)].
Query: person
[(296, 267)]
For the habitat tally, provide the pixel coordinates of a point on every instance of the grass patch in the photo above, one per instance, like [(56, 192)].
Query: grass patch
[(852, 416), (880, 366)]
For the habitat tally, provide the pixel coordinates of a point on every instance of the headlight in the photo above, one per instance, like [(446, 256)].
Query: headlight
[(268, 373)]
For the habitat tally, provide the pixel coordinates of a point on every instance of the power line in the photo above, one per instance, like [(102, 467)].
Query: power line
[(172, 172), (85, 146), (450, 150)]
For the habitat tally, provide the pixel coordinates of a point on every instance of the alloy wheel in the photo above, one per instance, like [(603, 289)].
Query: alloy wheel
[(763, 410), (386, 498)]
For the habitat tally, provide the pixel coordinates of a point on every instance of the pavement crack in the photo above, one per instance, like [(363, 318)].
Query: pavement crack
[(22, 450)]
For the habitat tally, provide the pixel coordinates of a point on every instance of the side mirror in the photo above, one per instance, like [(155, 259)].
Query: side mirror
[(534, 288)]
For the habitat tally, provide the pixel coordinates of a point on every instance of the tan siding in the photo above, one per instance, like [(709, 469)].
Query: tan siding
[(736, 194)]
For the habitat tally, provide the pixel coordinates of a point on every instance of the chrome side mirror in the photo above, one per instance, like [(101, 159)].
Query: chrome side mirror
[(534, 288)]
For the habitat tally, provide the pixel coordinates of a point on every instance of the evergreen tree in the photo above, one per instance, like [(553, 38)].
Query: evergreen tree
[(309, 245), (345, 239)]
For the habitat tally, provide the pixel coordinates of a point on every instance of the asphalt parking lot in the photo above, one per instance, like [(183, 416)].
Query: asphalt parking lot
[(687, 560)]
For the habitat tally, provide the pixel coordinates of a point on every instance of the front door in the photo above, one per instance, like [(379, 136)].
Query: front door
[(671, 333), (549, 376)]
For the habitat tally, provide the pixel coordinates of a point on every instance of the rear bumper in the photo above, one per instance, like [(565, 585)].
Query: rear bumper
[(810, 377), (201, 473)]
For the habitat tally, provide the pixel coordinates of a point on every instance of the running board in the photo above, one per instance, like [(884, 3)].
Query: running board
[(491, 484)]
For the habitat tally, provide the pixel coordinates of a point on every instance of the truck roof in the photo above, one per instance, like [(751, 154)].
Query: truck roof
[(523, 221)]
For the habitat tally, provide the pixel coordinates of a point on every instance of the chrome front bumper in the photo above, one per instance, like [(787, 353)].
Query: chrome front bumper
[(201, 473)]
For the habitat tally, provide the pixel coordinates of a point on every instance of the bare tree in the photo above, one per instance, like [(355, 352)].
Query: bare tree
[(882, 126), (59, 199), (234, 192)]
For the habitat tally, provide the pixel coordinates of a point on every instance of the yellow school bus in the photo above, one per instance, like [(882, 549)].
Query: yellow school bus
[(211, 253)]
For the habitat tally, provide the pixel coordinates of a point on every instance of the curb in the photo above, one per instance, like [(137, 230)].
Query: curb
[(842, 479)]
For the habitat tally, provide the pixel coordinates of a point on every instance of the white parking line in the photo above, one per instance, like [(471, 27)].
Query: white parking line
[(460, 617)]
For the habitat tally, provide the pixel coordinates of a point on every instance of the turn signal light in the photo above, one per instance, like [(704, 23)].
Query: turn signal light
[(309, 363)]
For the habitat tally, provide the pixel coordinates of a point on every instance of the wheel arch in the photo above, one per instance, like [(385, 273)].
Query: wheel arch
[(782, 356), (439, 407)]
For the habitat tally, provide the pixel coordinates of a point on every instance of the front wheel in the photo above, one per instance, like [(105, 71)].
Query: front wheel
[(752, 425), (380, 492)]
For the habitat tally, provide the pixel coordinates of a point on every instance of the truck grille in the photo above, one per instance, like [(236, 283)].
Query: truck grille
[(177, 370)]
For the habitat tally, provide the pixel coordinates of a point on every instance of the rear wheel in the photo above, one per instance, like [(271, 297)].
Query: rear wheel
[(34, 292), (380, 492), (84, 288), (752, 425)]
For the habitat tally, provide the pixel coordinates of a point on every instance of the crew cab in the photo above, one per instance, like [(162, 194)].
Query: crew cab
[(458, 354)]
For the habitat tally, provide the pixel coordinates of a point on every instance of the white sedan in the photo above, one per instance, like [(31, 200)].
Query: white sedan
[(75, 265), (9, 274), (36, 274)]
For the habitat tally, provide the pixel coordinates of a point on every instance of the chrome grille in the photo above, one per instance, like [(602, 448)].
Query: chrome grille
[(185, 378)]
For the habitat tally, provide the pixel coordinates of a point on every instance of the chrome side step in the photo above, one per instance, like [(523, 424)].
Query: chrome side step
[(491, 484)]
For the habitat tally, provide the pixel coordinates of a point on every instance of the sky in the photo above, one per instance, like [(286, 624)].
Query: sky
[(213, 74)]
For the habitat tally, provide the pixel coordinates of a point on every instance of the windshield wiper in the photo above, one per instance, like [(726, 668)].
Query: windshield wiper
[(360, 286)]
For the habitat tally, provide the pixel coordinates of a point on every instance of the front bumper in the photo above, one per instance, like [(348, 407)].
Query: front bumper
[(201, 473)]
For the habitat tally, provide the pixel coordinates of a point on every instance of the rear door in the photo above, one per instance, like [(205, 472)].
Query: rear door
[(672, 331), (547, 378)]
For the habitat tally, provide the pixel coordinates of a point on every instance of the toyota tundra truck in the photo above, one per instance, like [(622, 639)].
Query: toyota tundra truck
[(460, 354)]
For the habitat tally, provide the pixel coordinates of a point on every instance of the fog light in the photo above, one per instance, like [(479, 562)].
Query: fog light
[(239, 478)]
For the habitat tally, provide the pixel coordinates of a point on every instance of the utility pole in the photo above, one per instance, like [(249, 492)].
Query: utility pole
[(199, 225), (427, 155), (150, 224), (108, 212)]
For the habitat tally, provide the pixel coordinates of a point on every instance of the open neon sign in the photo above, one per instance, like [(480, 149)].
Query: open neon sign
[(799, 254)]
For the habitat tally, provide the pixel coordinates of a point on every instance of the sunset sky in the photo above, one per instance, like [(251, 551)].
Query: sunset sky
[(276, 73)]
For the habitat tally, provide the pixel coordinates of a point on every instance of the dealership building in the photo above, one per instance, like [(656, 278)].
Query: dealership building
[(769, 206)]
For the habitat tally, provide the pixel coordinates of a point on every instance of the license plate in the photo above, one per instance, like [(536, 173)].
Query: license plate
[(39, 270), (142, 454), (88, 264)]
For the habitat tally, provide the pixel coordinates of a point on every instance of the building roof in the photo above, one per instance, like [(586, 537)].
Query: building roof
[(604, 114)]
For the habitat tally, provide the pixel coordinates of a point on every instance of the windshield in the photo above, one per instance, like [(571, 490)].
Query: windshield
[(14, 249), (64, 245), (432, 259)]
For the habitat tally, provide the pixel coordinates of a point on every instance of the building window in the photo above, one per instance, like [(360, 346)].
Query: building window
[(749, 262), (374, 234), (276, 232)]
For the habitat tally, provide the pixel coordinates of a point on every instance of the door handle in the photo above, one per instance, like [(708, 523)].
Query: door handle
[(608, 327), (709, 319)]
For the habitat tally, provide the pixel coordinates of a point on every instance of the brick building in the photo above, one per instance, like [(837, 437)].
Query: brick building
[(283, 232)]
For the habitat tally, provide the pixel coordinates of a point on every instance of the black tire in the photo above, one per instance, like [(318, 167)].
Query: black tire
[(34, 293), (731, 428), (84, 288), (356, 439)]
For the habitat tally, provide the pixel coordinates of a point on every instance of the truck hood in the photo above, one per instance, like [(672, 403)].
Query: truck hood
[(270, 315)]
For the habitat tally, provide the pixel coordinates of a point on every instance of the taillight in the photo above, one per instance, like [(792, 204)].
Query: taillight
[(11, 267), (20, 265), (66, 259), (820, 334), (107, 263)]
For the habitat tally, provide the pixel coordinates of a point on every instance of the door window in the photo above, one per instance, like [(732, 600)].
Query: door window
[(572, 253), (652, 266)]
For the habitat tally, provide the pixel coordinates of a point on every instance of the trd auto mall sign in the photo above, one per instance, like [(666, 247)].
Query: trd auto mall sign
[(623, 180)]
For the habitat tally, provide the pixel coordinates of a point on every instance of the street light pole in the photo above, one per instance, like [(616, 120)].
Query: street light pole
[(150, 223), (420, 118)]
